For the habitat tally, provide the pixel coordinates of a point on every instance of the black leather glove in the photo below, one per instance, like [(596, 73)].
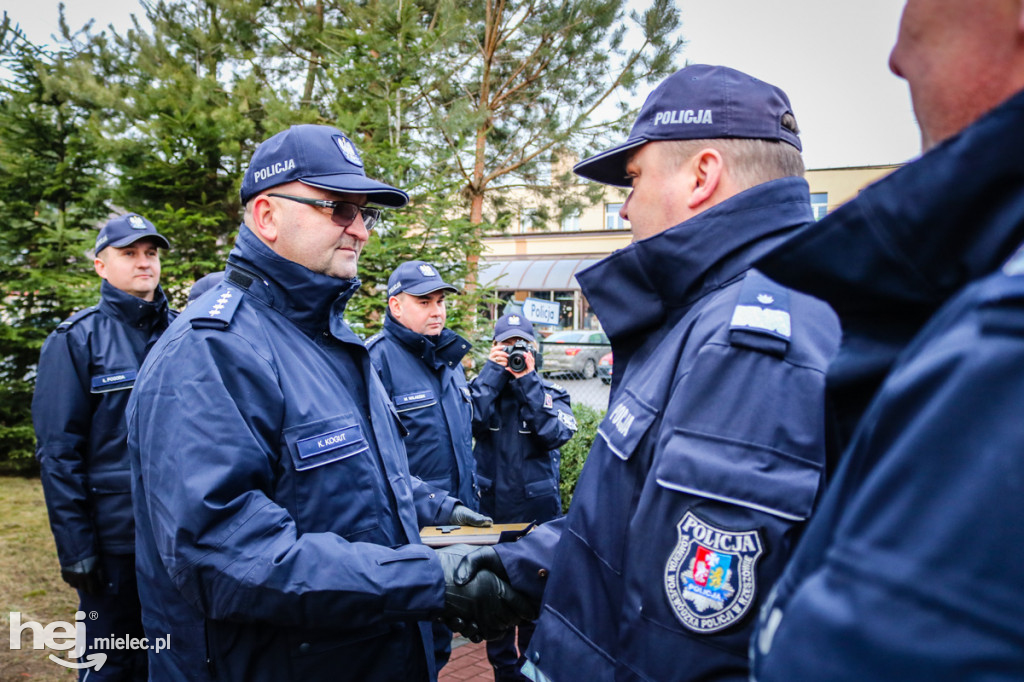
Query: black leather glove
[(85, 575), (464, 516), (483, 607), (479, 559)]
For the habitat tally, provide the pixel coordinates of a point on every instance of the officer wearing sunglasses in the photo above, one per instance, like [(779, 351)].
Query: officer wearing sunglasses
[(277, 522)]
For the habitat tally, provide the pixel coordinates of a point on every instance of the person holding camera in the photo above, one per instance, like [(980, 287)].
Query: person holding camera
[(519, 422)]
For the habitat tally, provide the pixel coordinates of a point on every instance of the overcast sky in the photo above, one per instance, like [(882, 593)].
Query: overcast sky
[(830, 58)]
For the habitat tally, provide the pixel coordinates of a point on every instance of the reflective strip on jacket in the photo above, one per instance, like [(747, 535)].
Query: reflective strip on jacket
[(913, 568), (427, 384), (519, 424), (274, 505), (708, 463), (87, 368)]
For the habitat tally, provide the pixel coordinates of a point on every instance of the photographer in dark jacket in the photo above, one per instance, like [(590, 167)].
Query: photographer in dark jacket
[(519, 422), (86, 372)]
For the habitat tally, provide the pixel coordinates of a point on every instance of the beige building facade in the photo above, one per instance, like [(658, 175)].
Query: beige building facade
[(539, 259)]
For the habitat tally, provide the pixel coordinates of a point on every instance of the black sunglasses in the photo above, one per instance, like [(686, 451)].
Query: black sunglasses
[(343, 213)]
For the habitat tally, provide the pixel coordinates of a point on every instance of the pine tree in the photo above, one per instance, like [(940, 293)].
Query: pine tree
[(53, 192)]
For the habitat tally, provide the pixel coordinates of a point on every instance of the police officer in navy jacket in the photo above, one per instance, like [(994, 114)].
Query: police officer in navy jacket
[(712, 455), (86, 372), (277, 520), (913, 568), (519, 420), (420, 363)]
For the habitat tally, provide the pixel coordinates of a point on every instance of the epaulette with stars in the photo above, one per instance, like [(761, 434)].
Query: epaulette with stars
[(221, 310)]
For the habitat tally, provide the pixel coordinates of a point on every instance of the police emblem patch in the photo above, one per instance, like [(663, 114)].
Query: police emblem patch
[(710, 576), (348, 150), (548, 401), (136, 222), (514, 320), (427, 271)]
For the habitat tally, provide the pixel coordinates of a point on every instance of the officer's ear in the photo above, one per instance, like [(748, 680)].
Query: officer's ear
[(706, 175), (395, 306), (100, 265), (264, 218)]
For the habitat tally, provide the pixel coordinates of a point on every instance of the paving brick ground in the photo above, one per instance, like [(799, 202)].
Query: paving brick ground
[(467, 664)]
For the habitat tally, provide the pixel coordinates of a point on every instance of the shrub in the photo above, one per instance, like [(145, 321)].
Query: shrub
[(574, 453)]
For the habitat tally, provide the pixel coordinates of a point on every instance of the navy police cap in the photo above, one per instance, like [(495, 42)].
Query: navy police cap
[(513, 324), (699, 102), (418, 278), (127, 229), (319, 156)]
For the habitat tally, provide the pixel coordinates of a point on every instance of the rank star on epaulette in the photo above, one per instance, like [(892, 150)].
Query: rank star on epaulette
[(220, 303), (710, 576)]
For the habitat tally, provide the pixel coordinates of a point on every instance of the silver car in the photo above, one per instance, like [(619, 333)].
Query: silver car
[(575, 353)]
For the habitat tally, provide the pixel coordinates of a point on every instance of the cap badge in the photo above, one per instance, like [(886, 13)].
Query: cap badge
[(136, 222), (427, 271), (514, 321), (348, 150)]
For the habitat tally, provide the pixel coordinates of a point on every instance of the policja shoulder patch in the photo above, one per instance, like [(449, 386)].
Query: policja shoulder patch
[(710, 576)]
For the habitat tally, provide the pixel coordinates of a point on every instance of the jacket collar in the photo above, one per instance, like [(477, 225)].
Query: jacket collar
[(447, 349), (311, 300), (912, 239), (637, 287), (132, 310)]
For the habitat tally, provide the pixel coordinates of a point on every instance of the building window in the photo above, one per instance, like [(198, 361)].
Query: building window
[(819, 204), (528, 220), (612, 219), (571, 222)]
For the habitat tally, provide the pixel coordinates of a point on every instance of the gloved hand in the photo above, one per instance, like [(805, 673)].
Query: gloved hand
[(85, 575), (483, 607), (464, 516), (479, 559)]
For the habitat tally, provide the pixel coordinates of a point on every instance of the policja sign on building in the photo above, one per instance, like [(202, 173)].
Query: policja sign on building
[(539, 311)]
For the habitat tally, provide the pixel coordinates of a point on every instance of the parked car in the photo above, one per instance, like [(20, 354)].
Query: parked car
[(574, 352), (604, 368)]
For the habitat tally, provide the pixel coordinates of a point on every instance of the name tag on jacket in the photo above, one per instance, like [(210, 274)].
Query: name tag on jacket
[(113, 382)]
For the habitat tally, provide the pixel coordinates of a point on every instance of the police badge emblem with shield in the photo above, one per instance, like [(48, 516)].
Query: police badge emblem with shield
[(427, 271), (348, 150), (136, 222), (710, 575)]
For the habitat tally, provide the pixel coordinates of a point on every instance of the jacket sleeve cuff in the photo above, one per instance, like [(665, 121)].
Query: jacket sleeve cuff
[(416, 602), (493, 375)]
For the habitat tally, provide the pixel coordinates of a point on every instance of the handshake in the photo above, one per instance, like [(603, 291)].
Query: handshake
[(478, 601)]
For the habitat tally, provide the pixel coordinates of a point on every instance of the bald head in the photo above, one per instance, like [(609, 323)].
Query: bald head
[(961, 59)]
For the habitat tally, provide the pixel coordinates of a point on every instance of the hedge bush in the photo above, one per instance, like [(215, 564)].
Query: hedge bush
[(574, 453)]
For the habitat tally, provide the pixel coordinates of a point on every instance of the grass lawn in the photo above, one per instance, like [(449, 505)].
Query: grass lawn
[(29, 580)]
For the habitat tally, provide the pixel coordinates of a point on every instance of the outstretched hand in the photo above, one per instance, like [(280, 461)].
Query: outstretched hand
[(483, 606)]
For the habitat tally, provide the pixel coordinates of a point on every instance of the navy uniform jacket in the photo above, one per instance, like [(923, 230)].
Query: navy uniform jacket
[(428, 386), (86, 372), (519, 424), (913, 568), (277, 520), (707, 465)]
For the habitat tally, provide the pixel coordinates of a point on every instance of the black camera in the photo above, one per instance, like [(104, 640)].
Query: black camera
[(517, 355)]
